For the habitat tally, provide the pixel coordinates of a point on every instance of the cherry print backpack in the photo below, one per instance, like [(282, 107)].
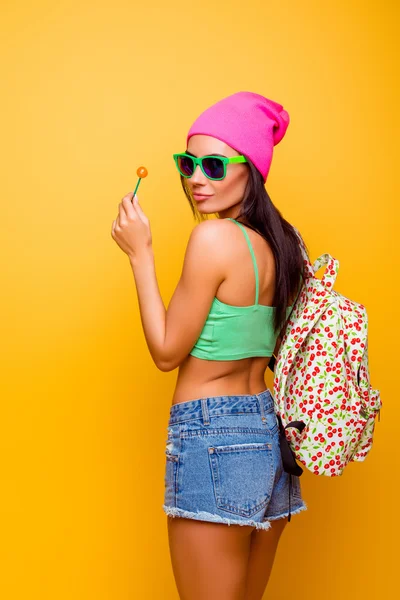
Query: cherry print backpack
[(324, 403)]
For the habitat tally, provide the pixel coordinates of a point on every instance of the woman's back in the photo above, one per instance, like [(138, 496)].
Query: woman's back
[(198, 377)]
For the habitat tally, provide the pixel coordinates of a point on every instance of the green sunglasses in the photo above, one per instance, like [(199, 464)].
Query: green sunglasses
[(213, 167)]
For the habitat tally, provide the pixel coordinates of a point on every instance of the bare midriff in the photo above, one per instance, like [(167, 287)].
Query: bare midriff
[(198, 378)]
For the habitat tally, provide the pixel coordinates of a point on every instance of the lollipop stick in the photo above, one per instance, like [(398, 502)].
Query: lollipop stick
[(140, 179)]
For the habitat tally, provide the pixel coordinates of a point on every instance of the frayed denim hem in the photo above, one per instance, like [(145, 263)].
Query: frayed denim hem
[(286, 514), (205, 516)]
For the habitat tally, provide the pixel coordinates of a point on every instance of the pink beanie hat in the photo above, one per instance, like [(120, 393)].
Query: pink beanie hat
[(249, 123)]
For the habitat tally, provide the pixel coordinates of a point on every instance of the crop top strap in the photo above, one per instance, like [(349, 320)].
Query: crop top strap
[(251, 252)]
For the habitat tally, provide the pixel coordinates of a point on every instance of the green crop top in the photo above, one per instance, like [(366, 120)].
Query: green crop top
[(234, 332)]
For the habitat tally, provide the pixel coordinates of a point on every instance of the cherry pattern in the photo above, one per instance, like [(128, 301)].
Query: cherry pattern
[(321, 375)]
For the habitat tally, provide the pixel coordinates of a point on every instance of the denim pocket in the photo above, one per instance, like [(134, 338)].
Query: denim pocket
[(243, 477)]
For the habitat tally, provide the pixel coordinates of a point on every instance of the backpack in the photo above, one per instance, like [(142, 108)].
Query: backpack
[(324, 403)]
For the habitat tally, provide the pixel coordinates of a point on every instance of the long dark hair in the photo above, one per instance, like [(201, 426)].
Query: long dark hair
[(262, 216)]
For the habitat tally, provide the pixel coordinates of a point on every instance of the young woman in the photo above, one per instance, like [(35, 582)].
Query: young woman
[(226, 493)]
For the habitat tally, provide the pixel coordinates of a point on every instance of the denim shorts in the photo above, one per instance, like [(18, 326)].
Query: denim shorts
[(223, 462)]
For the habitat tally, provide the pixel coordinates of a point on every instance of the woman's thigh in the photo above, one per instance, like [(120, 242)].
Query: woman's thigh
[(261, 558), (209, 560)]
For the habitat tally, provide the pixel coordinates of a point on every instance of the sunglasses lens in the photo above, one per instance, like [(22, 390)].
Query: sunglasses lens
[(214, 167), (186, 165)]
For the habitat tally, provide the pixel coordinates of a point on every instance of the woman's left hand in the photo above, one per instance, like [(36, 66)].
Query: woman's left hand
[(131, 229)]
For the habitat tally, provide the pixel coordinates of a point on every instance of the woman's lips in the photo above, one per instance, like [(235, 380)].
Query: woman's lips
[(200, 197)]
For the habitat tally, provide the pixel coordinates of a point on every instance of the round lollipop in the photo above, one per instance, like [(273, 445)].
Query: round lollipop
[(140, 172)]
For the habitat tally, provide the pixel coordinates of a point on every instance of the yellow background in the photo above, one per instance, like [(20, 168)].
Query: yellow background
[(91, 91)]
